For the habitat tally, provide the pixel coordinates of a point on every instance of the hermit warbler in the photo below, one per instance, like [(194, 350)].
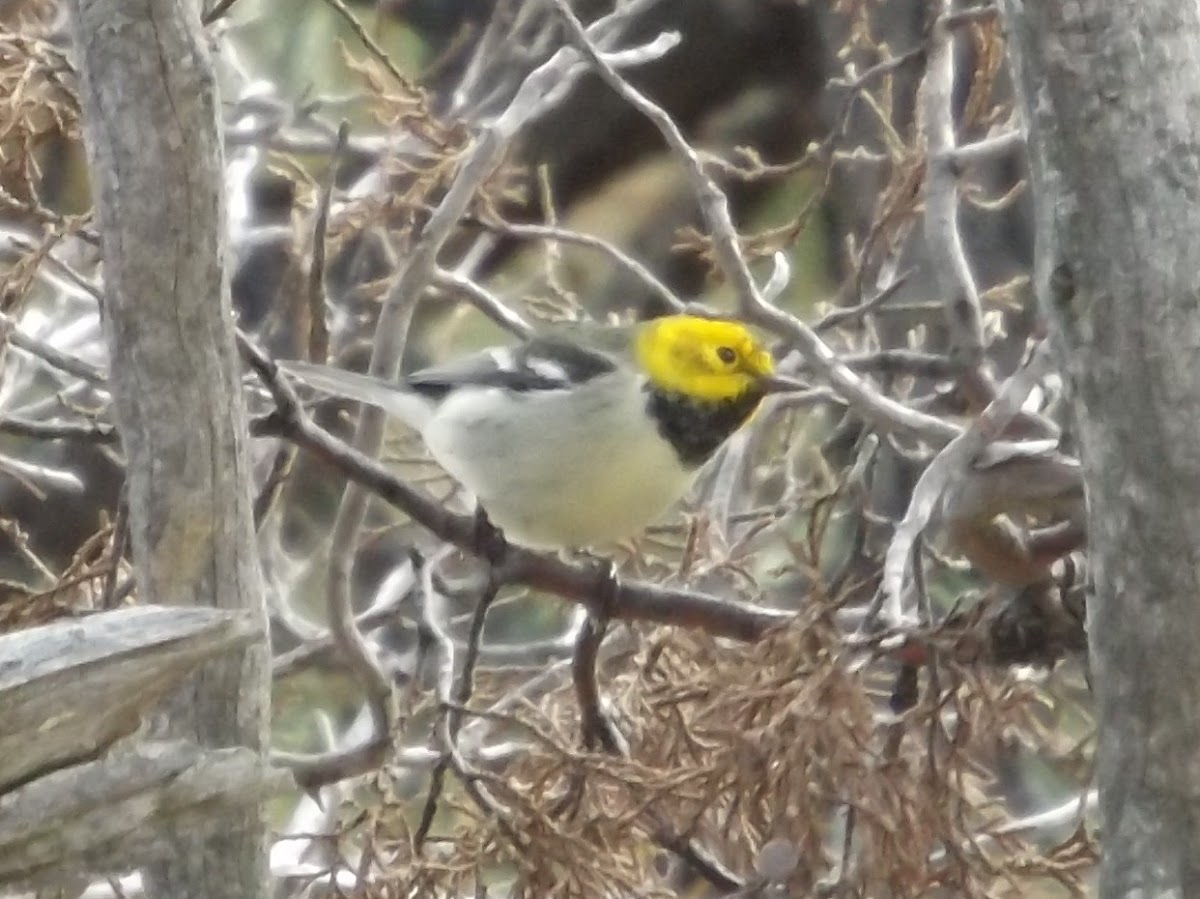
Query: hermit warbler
[(584, 434)]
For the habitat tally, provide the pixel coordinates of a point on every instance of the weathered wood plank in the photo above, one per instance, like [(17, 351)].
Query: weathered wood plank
[(108, 816), (71, 688)]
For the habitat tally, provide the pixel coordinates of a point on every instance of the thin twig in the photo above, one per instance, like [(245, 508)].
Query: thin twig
[(117, 550), (454, 707), (989, 149), (318, 335), (837, 317), (277, 477), (595, 727), (85, 432), (367, 41), (608, 248), (913, 363), (972, 15), (485, 301), (53, 357), (218, 11)]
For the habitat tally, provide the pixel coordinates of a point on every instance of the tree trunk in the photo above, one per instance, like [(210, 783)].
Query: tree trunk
[(155, 154), (1111, 96)]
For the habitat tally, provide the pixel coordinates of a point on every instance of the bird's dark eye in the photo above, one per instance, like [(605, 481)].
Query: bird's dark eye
[(727, 354)]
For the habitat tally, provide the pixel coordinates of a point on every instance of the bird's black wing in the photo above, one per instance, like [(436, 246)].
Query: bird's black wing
[(542, 363)]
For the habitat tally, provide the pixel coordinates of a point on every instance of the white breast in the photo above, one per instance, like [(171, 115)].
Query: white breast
[(598, 470)]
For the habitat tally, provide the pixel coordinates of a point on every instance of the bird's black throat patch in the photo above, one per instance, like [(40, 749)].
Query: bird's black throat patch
[(696, 428)]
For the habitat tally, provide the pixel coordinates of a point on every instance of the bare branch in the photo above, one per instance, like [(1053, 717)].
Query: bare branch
[(608, 248), (485, 301), (942, 235), (53, 430), (989, 148), (48, 354), (944, 470)]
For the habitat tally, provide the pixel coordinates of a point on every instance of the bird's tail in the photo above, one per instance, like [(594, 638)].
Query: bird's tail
[(392, 398)]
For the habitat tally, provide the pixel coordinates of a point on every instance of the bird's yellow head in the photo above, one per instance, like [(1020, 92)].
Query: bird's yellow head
[(705, 359)]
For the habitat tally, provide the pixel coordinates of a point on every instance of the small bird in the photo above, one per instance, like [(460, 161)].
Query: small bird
[(584, 434)]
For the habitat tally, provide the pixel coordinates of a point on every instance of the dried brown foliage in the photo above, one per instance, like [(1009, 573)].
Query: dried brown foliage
[(732, 746), (39, 104)]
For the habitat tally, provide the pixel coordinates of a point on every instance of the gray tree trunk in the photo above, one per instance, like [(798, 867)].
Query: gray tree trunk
[(1111, 96), (155, 154)]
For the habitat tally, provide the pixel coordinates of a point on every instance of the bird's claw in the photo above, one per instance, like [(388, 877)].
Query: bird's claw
[(489, 541)]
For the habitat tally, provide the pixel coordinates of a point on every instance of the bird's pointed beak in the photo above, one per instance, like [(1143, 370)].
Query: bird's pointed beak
[(774, 383)]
